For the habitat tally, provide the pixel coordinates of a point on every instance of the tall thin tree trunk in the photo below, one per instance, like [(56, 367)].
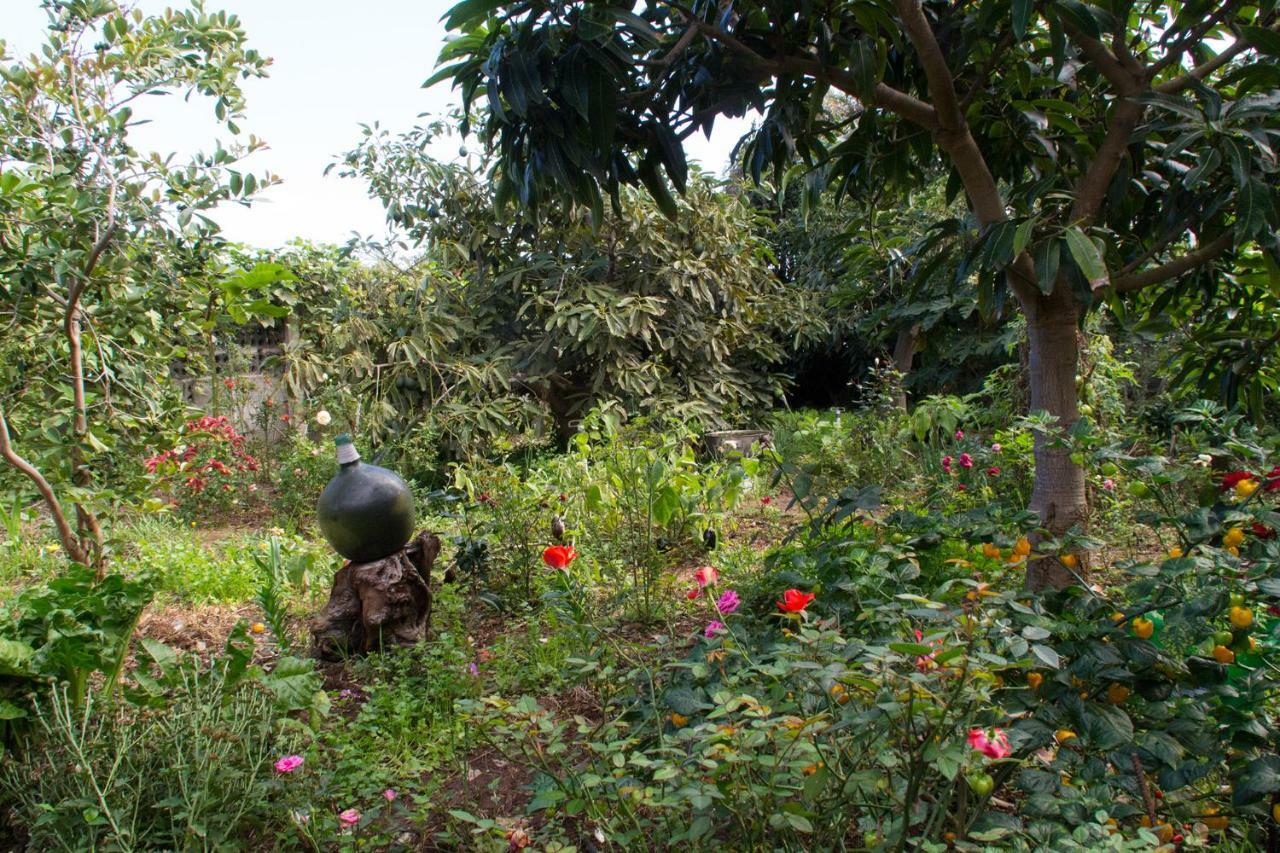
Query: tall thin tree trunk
[(1058, 495), (904, 352)]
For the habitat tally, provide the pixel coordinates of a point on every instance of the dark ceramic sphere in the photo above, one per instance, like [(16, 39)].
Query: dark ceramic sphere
[(366, 512)]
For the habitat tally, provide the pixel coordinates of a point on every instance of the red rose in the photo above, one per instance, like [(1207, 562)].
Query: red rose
[(1234, 478), (559, 556), (794, 601)]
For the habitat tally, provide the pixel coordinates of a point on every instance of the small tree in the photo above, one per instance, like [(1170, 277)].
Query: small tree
[(1104, 148), (97, 238)]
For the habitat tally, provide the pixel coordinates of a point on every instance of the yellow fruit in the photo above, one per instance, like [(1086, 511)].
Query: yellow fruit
[(1175, 553), (1275, 812), (838, 693), (1023, 546), (1117, 616), (1253, 644), (1222, 654), (679, 720), (257, 627), (1241, 617), (1068, 560), (1244, 488), (1034, 680), (1063, 735), (1221, 821), (1233, 538), (1143, 628), (1117, 693), (990, 551)]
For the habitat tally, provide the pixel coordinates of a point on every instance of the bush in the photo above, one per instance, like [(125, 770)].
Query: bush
[(210, 473)]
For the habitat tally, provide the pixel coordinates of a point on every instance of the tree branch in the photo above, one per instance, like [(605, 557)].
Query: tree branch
[(1203, 70), (1175, 267), (69, 540), (1094, 183)]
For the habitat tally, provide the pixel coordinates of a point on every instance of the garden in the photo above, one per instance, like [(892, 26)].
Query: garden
[(913, 485)]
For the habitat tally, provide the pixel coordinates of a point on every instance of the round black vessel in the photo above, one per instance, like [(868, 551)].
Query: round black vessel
[(365, 512)]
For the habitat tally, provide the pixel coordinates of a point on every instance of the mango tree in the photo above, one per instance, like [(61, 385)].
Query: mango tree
[(99, 242), (1105, 148)]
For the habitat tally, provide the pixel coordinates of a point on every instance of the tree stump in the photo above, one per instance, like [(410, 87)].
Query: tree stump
[(380, 604)]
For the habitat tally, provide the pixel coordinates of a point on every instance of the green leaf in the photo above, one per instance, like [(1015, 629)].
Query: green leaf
[(1021, 17), (14, 657), (293, 682), (1047, 256), (1252, 210), (1046, 655), (1259, 778), (1085, 253), (1264, 39)]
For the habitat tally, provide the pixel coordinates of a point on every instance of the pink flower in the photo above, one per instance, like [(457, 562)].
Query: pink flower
[(966, 461), (289, 763), (946, 464), (924, 663), (995, 448), (706, 576), (959, 435), (993, 471), (1109, 484), (348, 818), (390, 795), (728, 602), (962, 487), (712, 627), (473, 669), (995, 745)]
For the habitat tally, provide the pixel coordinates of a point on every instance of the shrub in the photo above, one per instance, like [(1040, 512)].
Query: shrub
[(210, 473)]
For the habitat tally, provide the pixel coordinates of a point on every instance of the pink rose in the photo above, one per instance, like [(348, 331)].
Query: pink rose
[(712, 627), (348, 818), (994, 746), (995, 448), (390, 795), (966, 461), (288, 764), (728, 602), (1109, 484), (959, 435)]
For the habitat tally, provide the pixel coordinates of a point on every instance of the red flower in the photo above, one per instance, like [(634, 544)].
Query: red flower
[(1262, 531), (706, 576), (1234, 478), (794, 601), (766, 500), (1273, 480), (559, 556), (230, 383), (693, 593), (993, 471)]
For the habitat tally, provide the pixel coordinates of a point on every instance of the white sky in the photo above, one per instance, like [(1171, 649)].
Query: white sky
[(336, 64)]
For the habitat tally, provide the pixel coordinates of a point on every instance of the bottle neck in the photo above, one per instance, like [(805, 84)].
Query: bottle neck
[(347, 455)]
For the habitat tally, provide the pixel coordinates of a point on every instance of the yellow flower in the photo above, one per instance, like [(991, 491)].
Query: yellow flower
[(1023, 546), (257, 628), (52, 547), (1233, 538), (1175, 553), (990, 551), (679, 720)]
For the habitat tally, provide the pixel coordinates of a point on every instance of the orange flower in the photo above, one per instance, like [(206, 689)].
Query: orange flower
[(794, 601), (559, 556)]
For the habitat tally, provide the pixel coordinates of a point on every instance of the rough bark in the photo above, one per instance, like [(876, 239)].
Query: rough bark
[(1058, 495), (380, 604)]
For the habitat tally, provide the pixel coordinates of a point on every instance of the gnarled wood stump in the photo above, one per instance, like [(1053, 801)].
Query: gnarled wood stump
[(384, 603)]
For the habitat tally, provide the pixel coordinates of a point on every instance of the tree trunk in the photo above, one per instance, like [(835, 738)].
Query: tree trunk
[(904, 352), (1058, 495)]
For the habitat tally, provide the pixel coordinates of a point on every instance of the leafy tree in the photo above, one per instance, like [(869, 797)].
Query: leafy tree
[(99, 242), (1104, 148), (676, 314)]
